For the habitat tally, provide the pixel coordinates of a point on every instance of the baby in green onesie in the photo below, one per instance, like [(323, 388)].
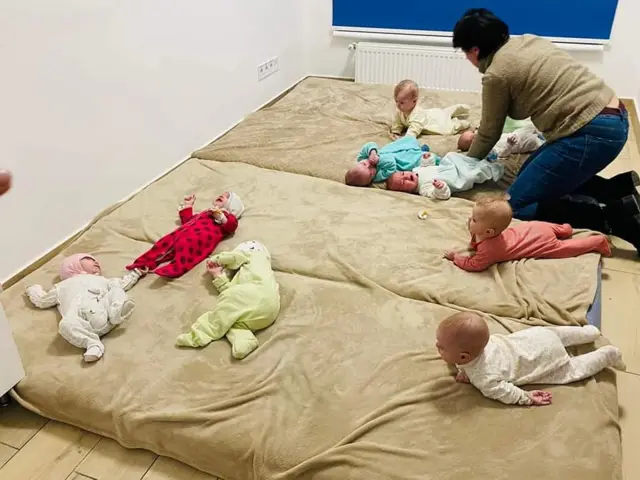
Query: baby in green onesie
[(250, 301)]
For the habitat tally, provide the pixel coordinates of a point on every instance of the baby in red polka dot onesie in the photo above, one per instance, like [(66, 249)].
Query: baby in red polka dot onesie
[(195, 239)]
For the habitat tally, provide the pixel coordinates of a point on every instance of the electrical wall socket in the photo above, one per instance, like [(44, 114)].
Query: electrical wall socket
[(268, 68)]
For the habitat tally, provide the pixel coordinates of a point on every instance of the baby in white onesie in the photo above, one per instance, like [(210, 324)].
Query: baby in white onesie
[(497, 364), (415, 120), (526, 139), (91, 305), (423, 180)]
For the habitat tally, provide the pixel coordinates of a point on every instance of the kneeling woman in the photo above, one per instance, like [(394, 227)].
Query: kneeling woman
[(584, 123)]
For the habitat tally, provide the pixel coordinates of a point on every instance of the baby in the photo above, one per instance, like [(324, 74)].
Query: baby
[(494, 241), (91, 305), (416, 120), (498, 364), (439, 177), (522, 140), (249, 300), (376, 164), (422, 180), (195, 239)]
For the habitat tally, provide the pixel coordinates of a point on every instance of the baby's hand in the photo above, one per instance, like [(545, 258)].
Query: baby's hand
[(462, 377), (512, 139), (218, 215), (374, 158), (395, 136), (214, 268), (449, 255), (189, 200), (438, 184), (540, 397)]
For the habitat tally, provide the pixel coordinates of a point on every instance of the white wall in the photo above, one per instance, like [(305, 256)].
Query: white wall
[(98, 97), (619, 65)]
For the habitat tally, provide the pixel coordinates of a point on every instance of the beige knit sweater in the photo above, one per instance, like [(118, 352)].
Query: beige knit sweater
[(531, 77)]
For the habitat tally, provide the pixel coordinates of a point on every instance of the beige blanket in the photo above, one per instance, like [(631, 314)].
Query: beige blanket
[(319, 127), (347, 383)]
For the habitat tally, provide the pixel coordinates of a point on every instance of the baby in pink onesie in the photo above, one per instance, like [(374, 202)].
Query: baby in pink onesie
[(495, 242)]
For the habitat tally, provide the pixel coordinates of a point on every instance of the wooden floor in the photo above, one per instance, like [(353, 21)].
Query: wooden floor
[(33, 448)]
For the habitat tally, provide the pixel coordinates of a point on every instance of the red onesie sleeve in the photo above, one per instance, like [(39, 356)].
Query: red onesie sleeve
[(230, 225), (186, 214)]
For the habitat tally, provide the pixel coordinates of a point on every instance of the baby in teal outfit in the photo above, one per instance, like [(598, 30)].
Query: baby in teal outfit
[(376, 164)]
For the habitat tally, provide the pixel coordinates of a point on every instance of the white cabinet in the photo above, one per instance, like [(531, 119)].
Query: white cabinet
[(11, 371)]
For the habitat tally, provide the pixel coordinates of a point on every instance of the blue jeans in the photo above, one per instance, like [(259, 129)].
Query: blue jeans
[(559, 168)]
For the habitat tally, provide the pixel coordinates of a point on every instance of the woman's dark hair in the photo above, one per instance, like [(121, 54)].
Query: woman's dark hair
[(480, 28)]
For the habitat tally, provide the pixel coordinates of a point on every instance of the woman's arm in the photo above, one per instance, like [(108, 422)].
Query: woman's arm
[(495, 105)]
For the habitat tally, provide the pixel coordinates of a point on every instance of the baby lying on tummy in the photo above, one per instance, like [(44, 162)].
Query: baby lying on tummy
[(498, 364), (522, 140), (494, 241), (439, 177)]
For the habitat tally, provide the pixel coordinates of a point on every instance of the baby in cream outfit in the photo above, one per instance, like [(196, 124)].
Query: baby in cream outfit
[(415, 120), (498, 364)]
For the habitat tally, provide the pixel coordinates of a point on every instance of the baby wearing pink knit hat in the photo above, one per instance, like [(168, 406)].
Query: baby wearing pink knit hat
[(90, 304)]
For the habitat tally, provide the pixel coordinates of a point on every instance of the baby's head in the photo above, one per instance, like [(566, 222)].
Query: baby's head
[(230, 202), (491, 216), (403, 182), (406, 96), (361, 175), (462, 337), (465, 140), (78, 264)]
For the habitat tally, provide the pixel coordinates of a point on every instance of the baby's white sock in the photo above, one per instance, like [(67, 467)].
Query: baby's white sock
[(615, 357), (591, 330), (93, 354), (119, 312)]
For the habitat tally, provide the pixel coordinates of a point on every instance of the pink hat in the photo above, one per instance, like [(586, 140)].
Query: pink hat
[(71, 266)]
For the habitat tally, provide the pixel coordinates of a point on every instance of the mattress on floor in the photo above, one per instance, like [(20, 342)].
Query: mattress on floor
[(319, 127), (347, 383)]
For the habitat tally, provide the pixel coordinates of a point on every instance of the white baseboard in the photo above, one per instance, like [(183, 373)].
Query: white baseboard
[(138, 190), (335, 77)]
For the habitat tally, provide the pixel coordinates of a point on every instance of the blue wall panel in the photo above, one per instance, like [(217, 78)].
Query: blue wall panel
[(580, 19)]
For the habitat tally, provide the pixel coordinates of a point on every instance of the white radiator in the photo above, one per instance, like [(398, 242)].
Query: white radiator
[(434, 68)]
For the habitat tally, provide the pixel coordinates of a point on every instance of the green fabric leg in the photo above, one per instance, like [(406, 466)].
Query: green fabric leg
[(243, 342)]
